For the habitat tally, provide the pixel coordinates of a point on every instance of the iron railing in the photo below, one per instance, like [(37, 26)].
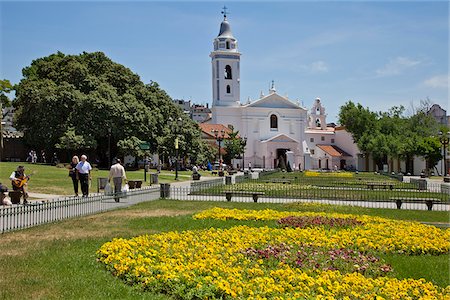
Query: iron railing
[(369, 193)]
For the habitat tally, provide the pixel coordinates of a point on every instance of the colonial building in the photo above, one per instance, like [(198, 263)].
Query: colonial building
[(273, 125), (439, 114), (328, 147)]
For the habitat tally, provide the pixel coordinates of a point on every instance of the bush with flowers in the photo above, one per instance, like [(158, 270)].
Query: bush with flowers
[(276, 262)]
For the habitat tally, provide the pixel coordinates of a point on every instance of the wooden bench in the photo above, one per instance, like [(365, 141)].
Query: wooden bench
[(428, 201), (255, 195), (384, 185), (277, 180)]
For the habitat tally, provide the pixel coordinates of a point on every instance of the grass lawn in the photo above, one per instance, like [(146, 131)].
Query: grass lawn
[(52, 180), (57, 261)]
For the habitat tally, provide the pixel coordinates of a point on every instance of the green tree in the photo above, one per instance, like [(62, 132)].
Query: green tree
[(430, 149), (5, 88), (357, 119), (390, 134), (233, 146), (100, 99)]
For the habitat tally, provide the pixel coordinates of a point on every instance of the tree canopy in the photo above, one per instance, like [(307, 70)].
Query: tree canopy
[(5, 88), (93, 99), (391, 133)]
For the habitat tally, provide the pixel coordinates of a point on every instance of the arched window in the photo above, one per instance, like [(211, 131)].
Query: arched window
[(273, 122), (228, 44), (318, 123), (228, 72), (228, 89)]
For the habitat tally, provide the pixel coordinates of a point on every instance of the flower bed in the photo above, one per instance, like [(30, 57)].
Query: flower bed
[(309, 221), (328, 174), (375, 233), (274, 263)]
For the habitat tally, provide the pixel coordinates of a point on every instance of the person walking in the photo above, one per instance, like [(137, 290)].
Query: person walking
[(84, 174), (117, 174), (73, 173)]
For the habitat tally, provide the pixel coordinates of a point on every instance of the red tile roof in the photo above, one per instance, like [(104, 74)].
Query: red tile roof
[(333, 150), (207, 128)]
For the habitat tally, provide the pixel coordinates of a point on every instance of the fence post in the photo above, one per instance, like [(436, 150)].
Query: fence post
[(165, 190)]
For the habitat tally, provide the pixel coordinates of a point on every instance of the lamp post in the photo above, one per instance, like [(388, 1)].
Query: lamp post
[(243, 144), (176, 128), (444, 139), (109, 146), (219, 135)]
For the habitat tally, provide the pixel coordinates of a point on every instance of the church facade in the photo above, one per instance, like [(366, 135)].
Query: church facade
[(275, 126)]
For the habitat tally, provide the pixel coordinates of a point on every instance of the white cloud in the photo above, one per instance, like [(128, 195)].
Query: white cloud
[(319, 67), (397, 66), (439, 81)]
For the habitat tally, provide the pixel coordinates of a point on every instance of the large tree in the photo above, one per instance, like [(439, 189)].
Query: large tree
[(101, 100), (391, 134)]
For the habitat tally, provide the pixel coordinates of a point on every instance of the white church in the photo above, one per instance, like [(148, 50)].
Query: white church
[(274, 125)]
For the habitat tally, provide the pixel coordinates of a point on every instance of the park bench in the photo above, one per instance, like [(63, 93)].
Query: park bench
[(384, 185), (135, 184), (279, 180), (428, 201), (255, 195)]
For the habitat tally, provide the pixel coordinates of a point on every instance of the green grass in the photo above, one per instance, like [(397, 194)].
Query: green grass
[(52, 180), (57, 261)]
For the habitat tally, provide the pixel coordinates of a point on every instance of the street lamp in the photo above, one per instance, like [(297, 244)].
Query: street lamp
[(219, 138), (176, 127), (444, 139), (109, 146), (243, 144)]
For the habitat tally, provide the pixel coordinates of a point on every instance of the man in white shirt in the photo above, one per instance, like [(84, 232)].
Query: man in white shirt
[(84, 169), (117, 173)]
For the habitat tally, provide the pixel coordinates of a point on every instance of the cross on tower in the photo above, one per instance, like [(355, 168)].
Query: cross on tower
[(224, 11)]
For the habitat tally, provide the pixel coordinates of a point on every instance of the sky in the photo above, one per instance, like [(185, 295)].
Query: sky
[(380, 54)]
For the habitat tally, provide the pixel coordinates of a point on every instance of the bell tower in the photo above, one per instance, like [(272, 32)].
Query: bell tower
[(225, 67)]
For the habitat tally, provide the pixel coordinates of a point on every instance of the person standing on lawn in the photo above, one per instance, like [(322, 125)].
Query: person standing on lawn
[(117, 174), (73, 173), (84, 174)]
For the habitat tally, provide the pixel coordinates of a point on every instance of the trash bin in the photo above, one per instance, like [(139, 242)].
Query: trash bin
[(165, 190), (101, 183), (154, 178), (227, 180)]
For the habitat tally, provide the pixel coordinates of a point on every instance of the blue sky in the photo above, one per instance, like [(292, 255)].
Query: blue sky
[(379, 54)]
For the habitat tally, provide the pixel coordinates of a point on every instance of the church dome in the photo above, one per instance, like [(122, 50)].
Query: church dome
[(225, 30)]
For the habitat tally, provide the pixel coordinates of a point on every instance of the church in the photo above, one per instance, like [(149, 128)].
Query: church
[(274, 125)]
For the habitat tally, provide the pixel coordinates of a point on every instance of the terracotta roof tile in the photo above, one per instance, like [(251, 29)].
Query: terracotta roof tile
[(334, 151), (207, 128)]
